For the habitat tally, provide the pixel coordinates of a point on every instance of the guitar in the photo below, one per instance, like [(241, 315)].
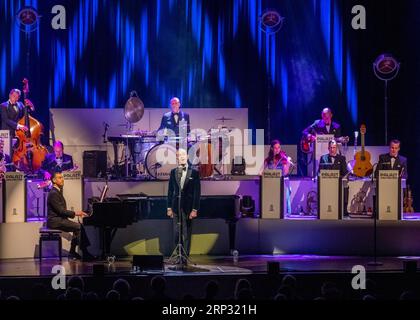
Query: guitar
[(306, 143), (408, 201), (362, 166)]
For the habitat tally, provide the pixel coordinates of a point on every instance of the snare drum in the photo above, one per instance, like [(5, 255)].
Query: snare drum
[(160, 160)]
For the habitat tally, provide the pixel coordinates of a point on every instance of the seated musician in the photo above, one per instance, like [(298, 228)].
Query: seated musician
[(392, 160), (58, 218), (323, 126), (277, 159), (173, 119), (57, 161), (333, 160), (5, 160)]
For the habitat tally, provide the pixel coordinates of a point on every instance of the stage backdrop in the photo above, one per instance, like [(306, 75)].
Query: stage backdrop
[(75, 128)]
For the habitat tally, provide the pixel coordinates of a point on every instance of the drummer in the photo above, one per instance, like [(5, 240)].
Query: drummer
[(175, 119)]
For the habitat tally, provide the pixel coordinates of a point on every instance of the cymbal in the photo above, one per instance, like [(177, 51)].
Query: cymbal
[(224, 119), (134, 110)]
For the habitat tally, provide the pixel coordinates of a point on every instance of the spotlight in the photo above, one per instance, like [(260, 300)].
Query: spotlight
[(238, 166), (247, 207), (386, 67), (271, 21)]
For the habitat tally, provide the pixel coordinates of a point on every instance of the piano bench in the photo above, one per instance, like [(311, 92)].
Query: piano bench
[(46, 234)]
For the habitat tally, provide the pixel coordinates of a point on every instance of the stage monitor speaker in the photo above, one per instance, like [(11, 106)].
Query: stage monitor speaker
[(410, 266), (273, 267), (148, 262), (98, 270), (94, 163)]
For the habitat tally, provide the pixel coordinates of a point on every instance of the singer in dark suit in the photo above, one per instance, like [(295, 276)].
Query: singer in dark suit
[(57, 161), (323, 126), (187, 180), (392, 160), (172, 120), (333, 160), (59, 215)]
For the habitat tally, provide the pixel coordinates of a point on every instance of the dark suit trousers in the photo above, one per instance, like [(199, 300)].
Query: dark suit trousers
[(186, 226), (79, 234)]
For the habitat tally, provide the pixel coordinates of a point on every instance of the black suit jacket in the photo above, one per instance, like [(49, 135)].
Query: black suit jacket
[(10, 116), (190, 196), (400, 164), (340, 163), (168, 121), (319, 127), (57, 208), (50, 163)]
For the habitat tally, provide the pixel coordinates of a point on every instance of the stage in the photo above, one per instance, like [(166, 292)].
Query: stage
[(311, 271)]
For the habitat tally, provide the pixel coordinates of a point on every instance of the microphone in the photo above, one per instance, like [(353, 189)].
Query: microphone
[(133, 94), (106, 126), (402, 173), (375, 165)]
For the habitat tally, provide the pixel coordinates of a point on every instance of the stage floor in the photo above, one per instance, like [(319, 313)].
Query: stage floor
[(209, 265)]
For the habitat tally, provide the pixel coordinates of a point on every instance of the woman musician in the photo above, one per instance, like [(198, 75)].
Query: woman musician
[(277, 159)]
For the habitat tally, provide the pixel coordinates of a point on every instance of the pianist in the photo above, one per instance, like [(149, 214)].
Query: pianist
[(187, 180), (59, 218), (57, 161)]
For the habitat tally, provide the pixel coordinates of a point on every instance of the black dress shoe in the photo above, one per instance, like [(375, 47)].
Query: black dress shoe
[(74, 256)]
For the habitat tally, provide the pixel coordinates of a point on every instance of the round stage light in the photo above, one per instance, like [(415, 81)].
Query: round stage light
[(386, 67), (271, 21)]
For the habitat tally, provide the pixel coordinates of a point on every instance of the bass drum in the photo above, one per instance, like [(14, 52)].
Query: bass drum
[(160, 160)]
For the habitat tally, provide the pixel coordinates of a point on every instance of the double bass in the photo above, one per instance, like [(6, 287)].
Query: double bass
[(29, 152)]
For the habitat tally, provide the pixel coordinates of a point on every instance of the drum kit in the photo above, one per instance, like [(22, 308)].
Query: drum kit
[(149, 155)]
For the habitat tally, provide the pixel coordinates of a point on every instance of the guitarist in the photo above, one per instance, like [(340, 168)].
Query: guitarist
[(323, 126), (392, 160), (333, 160)]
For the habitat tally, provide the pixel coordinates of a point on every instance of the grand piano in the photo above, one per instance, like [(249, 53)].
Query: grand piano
[(109, 216), (117, 213)]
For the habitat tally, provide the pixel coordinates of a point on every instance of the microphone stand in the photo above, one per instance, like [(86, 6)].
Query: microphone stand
[(375, 262)]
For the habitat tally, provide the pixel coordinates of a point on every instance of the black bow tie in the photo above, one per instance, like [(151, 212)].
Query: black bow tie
[(183, 168), (393, 157)]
